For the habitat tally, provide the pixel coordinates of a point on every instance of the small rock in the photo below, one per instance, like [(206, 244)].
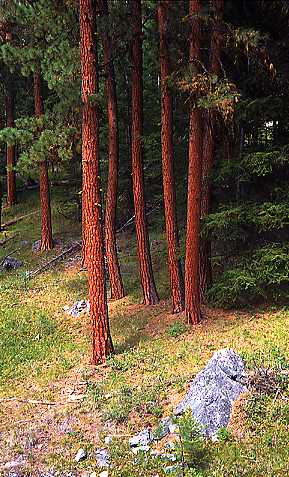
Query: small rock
[(108, 440), (172, 469), (173, 428), (102, 457), (36, 246), (163, 429), (80, 307), (144, 438), (137, 449), (103, 474), (81, 455), (10, 263)]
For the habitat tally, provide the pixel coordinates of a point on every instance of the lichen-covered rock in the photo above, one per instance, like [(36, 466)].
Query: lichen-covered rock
[(214, 390)]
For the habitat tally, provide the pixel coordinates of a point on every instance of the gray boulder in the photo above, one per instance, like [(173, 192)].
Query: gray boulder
[(214, 390)]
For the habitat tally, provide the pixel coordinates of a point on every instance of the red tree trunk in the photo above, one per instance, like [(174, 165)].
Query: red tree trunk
[(192, 287), (145, 264), (10, 152), (117, 290), (208, 150), (46, 227), (91, 190), (176, 278)]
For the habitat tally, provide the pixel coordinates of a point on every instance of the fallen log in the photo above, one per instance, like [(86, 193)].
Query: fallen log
[(61, 256), (17, 219), (4, 241)]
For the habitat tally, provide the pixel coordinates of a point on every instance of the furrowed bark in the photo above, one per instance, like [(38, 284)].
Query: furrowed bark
[(116, 284), (145, 264), (10, 151), (46, 227), (192, 285), (94, 243), (208, 150), (174, 265)]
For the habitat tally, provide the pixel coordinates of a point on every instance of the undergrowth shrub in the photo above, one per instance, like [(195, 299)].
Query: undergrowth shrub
[(263, 276)]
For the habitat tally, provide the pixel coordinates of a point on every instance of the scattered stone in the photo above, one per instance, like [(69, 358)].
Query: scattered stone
[(108, 440), (144, 438), (10, 263), (81, 455), (14, 463), (138, 449), (173, 428), (214, 390), (36, 246), (102, 457), (102, 474), (58, 242), (79, 308), (163, 429), (172, 469)]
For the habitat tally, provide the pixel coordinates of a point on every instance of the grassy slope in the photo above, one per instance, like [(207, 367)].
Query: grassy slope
[(44, 355)]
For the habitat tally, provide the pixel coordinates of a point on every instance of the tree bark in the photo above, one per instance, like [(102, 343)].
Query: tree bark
[(116, 284), (192, 285), (208, 149), (145, 264), (94, 243), (46, 227), (174, 265), (10, 150)]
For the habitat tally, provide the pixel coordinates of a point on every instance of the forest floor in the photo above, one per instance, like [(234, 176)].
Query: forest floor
[(53, 402)]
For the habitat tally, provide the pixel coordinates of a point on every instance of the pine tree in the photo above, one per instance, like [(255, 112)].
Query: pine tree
[(192, 288), (145, 264), (117, 290), (46, 226), (10, 149), (208, 148), (174, 265), (94, 250)]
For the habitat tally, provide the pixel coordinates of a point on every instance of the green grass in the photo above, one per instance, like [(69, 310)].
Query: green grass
[(157, 354)]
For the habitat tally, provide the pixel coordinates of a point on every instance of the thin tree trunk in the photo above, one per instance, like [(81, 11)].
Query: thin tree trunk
[(145, 264), (192, 286), (175, 271), (46, 227), (94, 249), (117, 290), (208, 150), (10, 151)]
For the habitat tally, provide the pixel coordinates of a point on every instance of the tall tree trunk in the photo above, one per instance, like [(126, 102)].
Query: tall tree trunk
[(10, 150), (46, 227), (145, 264), (176, 277), (208, 149), (192, 286), (117, 290), (91, 190)]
